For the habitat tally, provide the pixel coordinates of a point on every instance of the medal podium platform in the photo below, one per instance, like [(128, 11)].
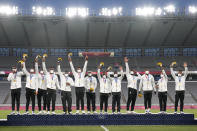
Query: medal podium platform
[(108, 119)]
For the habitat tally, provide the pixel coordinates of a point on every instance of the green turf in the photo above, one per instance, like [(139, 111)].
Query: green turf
[(98, 128), (4, 113)]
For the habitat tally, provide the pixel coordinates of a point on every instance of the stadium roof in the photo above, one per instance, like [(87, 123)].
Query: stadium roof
[(97, 32)]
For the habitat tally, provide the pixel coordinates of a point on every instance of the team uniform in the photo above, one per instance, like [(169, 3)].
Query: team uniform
[(90, 86), (180, 88), (105, 91), (66, 95), (147, 84), (79, 85), (42, 90), (52, 84), (132, 87), (31, 88), (116, 91), (162, 91), (15, 86)]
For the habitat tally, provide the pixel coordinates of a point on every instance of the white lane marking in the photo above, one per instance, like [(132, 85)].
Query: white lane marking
[(104, 128)]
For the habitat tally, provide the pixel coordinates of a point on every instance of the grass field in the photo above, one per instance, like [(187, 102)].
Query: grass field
[(4, 113), (98, 128)]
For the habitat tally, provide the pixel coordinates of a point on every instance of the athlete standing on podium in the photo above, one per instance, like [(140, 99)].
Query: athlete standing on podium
[(132, 86), (79, 76), (179, 86)]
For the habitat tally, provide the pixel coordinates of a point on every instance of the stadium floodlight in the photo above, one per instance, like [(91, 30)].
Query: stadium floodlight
[(71, 12), (8, 10), (146, 11), (45, 11), (170, 9), (192, 9), (111, 12)]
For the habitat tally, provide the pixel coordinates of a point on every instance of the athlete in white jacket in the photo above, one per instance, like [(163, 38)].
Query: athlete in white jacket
[(79, 83), (90, 85), (147, 84), (162, 86), (132, 87), (105, 89), (31, 87), (42, 89), (116, 89), (65, 85), (179, 86), (15, 85), (52, 85)]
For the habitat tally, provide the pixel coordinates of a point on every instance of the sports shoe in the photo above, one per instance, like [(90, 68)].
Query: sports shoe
[(39, 113), (33, 113), (133, 112), (106, 113), (77, 112), (83, 112), (44, 112), (181, 112), (53, 113), (26, 113), (118, 113), (146, 111), (113, 113), (95, 112), (12, 113), (70, 113), (101, 112), (175, 112), (88, 112), (17, 113), (128, 112), (48, 113)]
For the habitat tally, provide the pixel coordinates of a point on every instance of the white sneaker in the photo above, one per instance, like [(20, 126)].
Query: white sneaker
[(101, 112), (26, 113), (160, 112), (133, 112), (53, 113), (17, 113), (77, 112), (165, 112), (48, 113), (106, 113), (181, 112), (113, 113), (39, 113), (70, 113), (128, 112), (33, 113), (44, 112), (83, 112), (146, 111), (175, 112), (95, 112), (118, 113), (88, 112), (12, 113)]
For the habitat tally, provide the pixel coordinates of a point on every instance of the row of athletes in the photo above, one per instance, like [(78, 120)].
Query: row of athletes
[(44, 84)]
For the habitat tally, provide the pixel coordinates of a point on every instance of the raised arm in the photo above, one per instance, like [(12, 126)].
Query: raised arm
[(24, 69), (59, 69), (127, 66), (44, 67), (98, 73), (121, 73), (85, 65), (186, 69), (164, 73), (95, 83)]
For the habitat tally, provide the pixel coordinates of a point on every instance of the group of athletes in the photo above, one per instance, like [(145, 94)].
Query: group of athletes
[(43, 84)]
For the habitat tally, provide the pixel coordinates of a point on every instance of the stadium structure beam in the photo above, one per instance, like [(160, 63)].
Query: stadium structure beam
[(26, 34), (189, 34), (46, 33), (67, 35), (5, 33), (107, 35), (168, 34), (127, 35), (148, 34), (87, 34)]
